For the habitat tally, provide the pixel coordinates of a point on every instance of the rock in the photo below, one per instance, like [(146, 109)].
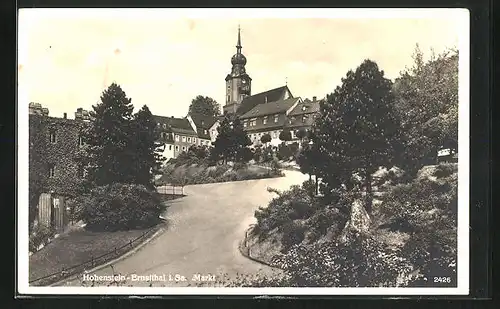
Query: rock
[(358, 223)]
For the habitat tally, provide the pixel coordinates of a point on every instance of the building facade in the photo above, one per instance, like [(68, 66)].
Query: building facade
[(55, 146), (178, 134), (268, 118)]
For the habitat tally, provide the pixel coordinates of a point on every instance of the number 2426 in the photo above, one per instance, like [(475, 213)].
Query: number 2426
[(442, 279)]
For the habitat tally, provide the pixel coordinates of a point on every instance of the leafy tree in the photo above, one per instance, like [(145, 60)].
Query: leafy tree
[(232, 142), (241, 141), (427, 103), (285, 135), (110, 141), (358, 130), (266, 138), (301, 134), (222, 149), (205, 106), (146, 148)]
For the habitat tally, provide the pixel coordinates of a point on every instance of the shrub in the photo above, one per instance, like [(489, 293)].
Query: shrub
[(293, 234), (229, 175), (275, 166), (40, 234), (240, 166), (428, 209), (363, 263), (120, 207), (325, 219), (284, 208)]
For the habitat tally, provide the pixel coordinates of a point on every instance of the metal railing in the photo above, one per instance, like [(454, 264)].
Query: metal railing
[(93, 262)]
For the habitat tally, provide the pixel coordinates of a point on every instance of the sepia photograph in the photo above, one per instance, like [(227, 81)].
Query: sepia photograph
[(243, 151)]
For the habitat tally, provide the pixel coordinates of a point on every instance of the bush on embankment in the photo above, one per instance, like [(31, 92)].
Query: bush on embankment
[(182, 175), (120, 207), (410, 236)]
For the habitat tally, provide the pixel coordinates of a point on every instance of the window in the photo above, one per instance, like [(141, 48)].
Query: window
[(169, 147), (189, 139), (183, 148), (164, 126), (205, 131), (264, 121), (184, 139), (276, 117), (303, 107), (80, 140), (52, 170), (275, 135), (176, 148), (194, 140), (245, 124), (159, 124), (304, 118), (177, 138), (53, 136)]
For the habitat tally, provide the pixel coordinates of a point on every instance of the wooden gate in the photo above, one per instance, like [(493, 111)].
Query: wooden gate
[(52, 211)]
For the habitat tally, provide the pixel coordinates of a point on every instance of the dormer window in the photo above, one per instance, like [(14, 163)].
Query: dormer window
[(276, 117), (205, 131), (264, 121), (304, 108)]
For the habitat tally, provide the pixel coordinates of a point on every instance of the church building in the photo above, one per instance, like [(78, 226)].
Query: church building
[(268, 112)]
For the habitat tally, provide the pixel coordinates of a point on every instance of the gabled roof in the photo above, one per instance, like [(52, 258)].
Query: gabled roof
[(264, 109), (306, 107), (203, 123), (176, 125), (272, 95)]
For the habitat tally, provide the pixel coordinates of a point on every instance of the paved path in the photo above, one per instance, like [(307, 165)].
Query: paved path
[(204, 232)]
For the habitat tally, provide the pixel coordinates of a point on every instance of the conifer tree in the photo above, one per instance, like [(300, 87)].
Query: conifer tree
[(110, 140), (146, 150), (357, 131)]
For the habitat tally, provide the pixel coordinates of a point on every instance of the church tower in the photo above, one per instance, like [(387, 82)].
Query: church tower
[(238, 83)]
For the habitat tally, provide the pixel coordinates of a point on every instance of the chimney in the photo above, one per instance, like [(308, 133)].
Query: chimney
[(65, 116), (314, 99)]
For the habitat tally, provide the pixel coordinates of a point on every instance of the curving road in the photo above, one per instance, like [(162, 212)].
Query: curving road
[(204, 232)]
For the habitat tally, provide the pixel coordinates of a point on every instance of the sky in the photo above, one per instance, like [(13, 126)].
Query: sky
[(165, 58)]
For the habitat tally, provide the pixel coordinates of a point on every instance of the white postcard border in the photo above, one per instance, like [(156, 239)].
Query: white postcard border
[(463, 185)]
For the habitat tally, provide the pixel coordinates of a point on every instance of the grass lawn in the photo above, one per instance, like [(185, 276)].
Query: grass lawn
[(81, 246)]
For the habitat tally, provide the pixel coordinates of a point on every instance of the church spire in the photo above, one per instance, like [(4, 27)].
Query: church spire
[(238, 46)]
